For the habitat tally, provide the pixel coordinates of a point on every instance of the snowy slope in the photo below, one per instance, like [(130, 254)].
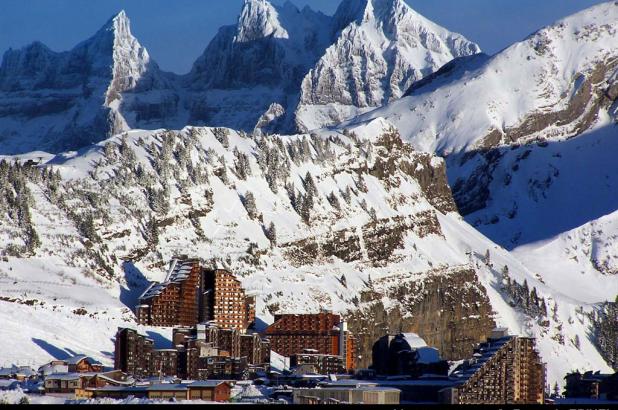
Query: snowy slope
[(540, 88), (110, 223), (528, 134)]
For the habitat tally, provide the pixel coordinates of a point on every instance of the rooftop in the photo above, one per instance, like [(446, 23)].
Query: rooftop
[(178, 272)]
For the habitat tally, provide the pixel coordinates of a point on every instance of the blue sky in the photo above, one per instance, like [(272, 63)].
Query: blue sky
[(177, 31)]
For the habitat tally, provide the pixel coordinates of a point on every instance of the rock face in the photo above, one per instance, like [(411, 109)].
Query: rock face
[(258, 62), (382, 47), (449, 309)]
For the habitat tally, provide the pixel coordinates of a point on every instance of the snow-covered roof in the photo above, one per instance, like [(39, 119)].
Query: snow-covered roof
[(79, 358), (69, 376), (167, 387), (348, 383), (414, 340), (7, 371), (179, 271), (207, 383), (8, 383), (129, 382)]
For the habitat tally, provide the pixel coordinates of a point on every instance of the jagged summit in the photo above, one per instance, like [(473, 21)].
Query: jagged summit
[(300, 64), (61, 100), (258, 19), (119, 24), (381, 48)]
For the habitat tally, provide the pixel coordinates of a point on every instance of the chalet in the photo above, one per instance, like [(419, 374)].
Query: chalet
[(210, 390), (83, 364), (75, 364), (54, 367), (70, 382), (19, 373)]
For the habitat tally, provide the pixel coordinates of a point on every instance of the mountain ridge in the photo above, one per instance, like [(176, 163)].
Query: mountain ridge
[(248, 68)]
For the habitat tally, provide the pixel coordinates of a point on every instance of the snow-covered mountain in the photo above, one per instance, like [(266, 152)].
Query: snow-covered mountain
[(54, 101), (529, 137), (356, 222), (250, 75), (528, 133), (381, 48), (257, 62), (319, 69)]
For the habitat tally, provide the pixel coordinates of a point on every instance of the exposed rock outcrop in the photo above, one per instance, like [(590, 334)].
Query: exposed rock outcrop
[(449, 309)]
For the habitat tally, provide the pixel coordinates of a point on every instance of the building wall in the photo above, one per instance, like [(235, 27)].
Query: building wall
[(347, 395), (250, 348), (324, 364), (229, 340), (228, 306), (164, 307), (513, 375), (292, 334), (204, 295), (220, 393), (164, 362), (188, 304), (166, 395), (133, 353)]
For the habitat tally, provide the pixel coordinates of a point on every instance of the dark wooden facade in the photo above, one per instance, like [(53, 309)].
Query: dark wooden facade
[(292, 334), (191, 295), (135, 354), (507, 370)]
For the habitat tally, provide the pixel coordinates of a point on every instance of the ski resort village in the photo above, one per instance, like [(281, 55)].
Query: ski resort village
[(359, 207)]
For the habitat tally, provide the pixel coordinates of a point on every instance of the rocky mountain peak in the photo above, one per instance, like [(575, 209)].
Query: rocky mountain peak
[(259, 19), (115, 46), (397, 46)]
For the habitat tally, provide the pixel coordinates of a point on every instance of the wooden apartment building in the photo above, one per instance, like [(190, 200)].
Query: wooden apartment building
[(135, 354), (325, 333), (191, 294), (504, 370)]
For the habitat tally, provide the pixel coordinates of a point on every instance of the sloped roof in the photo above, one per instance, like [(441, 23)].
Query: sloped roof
[(79, 358), (414, 340), (178, 272)]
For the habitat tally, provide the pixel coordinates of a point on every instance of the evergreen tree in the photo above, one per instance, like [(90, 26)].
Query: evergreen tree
[(557, 390), (221, 134), (249, 202), (576, 342), (271, 233), (334, 201), (347, 195)]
